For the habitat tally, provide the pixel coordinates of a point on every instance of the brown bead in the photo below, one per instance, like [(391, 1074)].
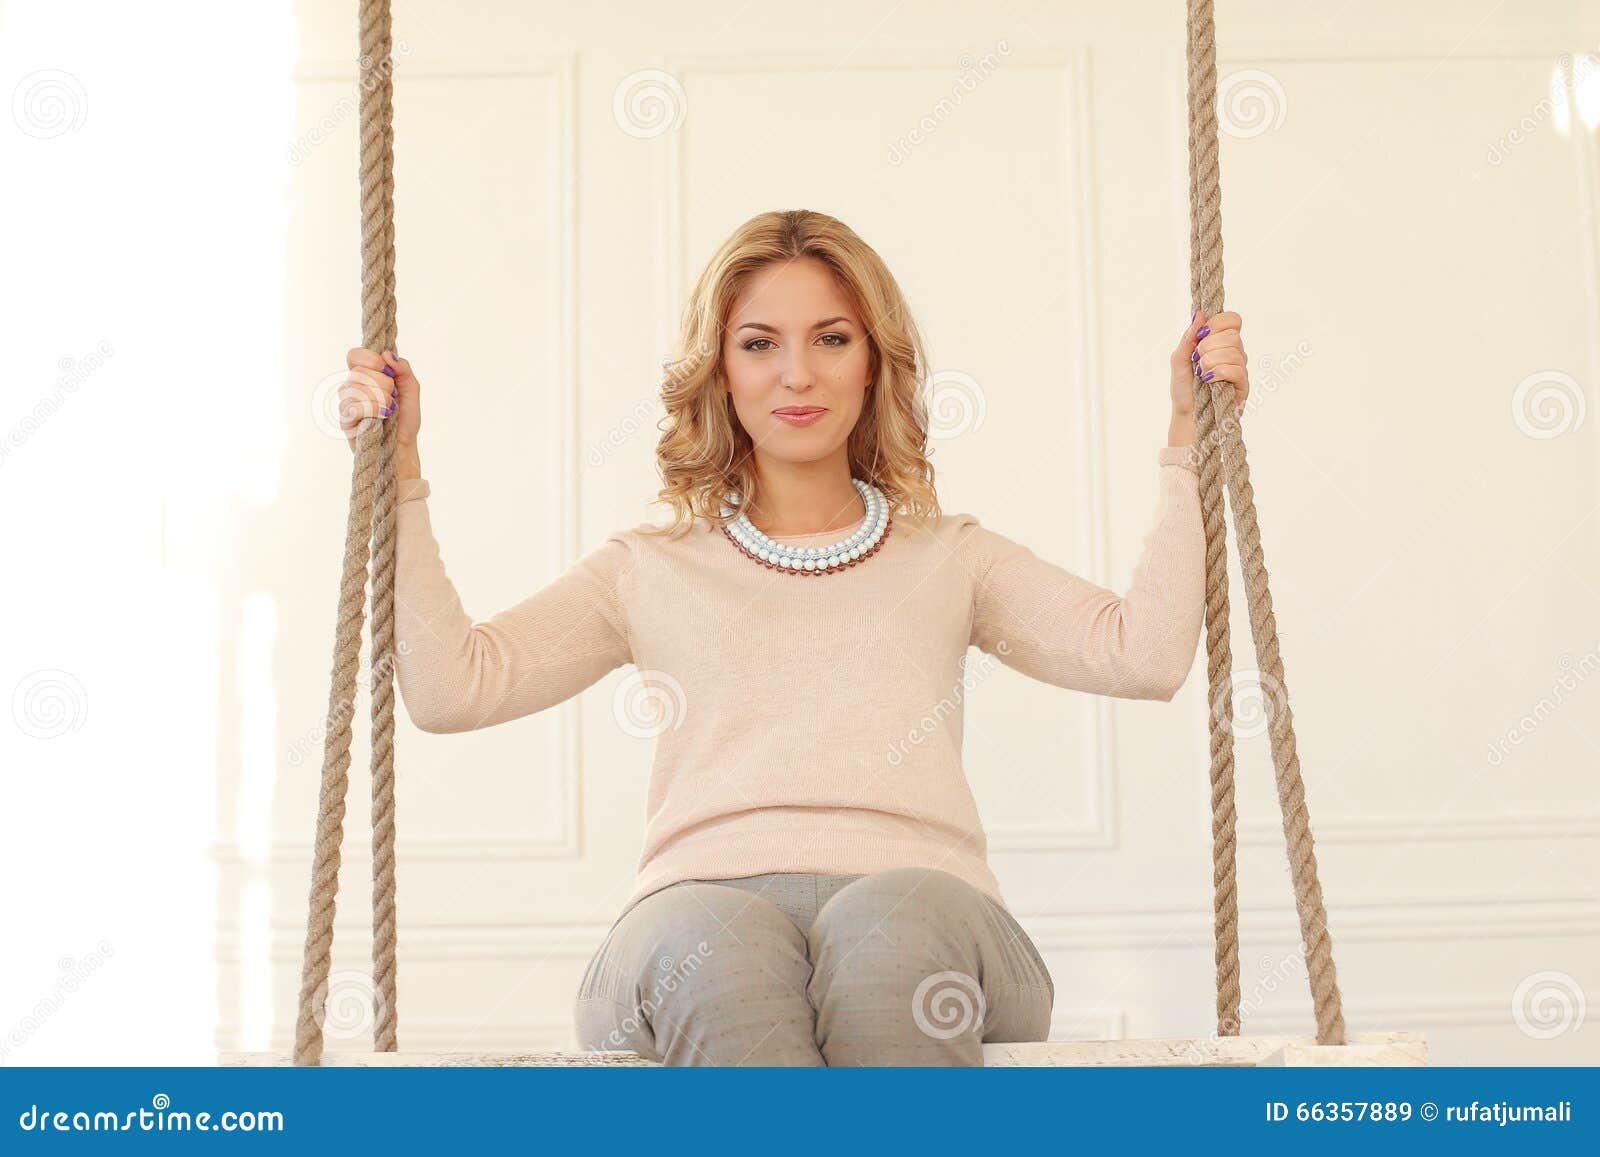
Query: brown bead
[(888, 525)]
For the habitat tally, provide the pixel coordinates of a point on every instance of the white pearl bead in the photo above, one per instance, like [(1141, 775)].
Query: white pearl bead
[(828, 557)]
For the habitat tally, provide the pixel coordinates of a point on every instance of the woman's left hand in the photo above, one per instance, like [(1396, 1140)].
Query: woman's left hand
[(1210, 350)]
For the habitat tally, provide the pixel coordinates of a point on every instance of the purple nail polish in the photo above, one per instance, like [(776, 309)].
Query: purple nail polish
[(1205, 329), (389, 370), (385, 411), (1208, 375), (1195, 356), (1193, 315)]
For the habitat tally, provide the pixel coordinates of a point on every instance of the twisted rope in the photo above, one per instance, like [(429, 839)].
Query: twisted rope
[(1221, 447), (370, 528)]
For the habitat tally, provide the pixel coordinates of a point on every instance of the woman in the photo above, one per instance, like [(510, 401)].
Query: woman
[(813, 888)]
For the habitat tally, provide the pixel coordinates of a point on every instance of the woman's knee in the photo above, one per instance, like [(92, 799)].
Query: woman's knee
[(897, 960), (685, 968), (919, 908)]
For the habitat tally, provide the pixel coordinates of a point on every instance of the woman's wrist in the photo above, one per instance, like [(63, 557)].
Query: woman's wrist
[(407, 463), (1180, 429)]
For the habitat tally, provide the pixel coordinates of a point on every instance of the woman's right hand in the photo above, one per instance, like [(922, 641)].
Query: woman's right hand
[(368, 392)]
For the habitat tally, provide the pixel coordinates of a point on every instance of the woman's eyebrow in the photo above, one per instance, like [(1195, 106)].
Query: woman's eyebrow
[(825, 322)]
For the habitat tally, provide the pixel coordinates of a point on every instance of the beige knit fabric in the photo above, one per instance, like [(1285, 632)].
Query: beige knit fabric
[(810, 724)]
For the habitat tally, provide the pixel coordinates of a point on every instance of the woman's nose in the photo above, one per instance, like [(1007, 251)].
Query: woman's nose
[(796, 373)]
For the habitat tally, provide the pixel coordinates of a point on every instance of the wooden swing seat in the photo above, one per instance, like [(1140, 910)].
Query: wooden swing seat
[(1368, 1048)]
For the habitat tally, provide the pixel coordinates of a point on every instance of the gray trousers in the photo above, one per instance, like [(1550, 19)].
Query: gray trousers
[(911, 966)]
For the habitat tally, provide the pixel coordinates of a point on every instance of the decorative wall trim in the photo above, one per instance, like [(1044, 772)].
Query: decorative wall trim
[(1398, 827), (1476, 918), (564, 747)]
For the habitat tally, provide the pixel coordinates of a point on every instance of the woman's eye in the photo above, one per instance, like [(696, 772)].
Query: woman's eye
[(760, 344)]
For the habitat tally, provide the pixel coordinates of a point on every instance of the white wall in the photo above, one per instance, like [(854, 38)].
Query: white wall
[(1412, 240)]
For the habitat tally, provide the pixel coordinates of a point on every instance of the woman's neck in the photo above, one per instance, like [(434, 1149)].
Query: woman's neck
[(798, 498)]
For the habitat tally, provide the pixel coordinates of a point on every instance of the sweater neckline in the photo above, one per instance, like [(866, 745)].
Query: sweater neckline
[(821, 535)]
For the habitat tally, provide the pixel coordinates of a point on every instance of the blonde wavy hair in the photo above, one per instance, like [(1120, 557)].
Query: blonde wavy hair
[(704, 451)]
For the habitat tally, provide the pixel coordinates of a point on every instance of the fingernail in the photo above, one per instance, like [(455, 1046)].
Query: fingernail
[(1193, 315), (1195, 356), (1205, 329), (395, 393), (388, 353), (1208, 375), (385, 411), (389, 370)]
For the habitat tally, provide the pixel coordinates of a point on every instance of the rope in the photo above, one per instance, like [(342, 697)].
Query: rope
[(370, 527), (1221, 446)]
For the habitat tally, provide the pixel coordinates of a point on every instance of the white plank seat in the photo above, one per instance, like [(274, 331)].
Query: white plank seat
[(1372, 1048)]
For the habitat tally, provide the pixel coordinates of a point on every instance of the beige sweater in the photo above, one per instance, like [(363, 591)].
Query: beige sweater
[(812, 724)]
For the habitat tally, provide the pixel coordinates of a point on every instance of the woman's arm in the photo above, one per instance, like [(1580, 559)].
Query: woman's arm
[(454, 674), (457, 675), (1056, 627), (1059, 628)]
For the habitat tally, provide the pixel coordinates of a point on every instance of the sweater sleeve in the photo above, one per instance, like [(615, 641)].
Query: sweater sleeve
[(457, 675), (1064, 630)]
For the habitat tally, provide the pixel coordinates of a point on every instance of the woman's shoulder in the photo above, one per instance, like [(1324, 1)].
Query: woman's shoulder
[(956, 535), (949, 529), (661, 534)]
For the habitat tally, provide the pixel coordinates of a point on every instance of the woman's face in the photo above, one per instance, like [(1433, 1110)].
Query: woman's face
[(795, 346)]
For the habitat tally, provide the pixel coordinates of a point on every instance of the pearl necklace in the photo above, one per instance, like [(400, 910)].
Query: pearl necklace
[(810, 560)]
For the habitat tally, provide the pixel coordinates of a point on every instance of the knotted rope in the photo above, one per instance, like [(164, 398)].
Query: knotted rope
[(1221, 447), (370, 526)]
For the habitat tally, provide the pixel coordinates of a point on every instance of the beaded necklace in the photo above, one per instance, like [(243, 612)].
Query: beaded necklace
[(813, 560)]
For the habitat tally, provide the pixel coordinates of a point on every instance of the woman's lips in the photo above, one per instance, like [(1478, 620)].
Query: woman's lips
[(798, 419)]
